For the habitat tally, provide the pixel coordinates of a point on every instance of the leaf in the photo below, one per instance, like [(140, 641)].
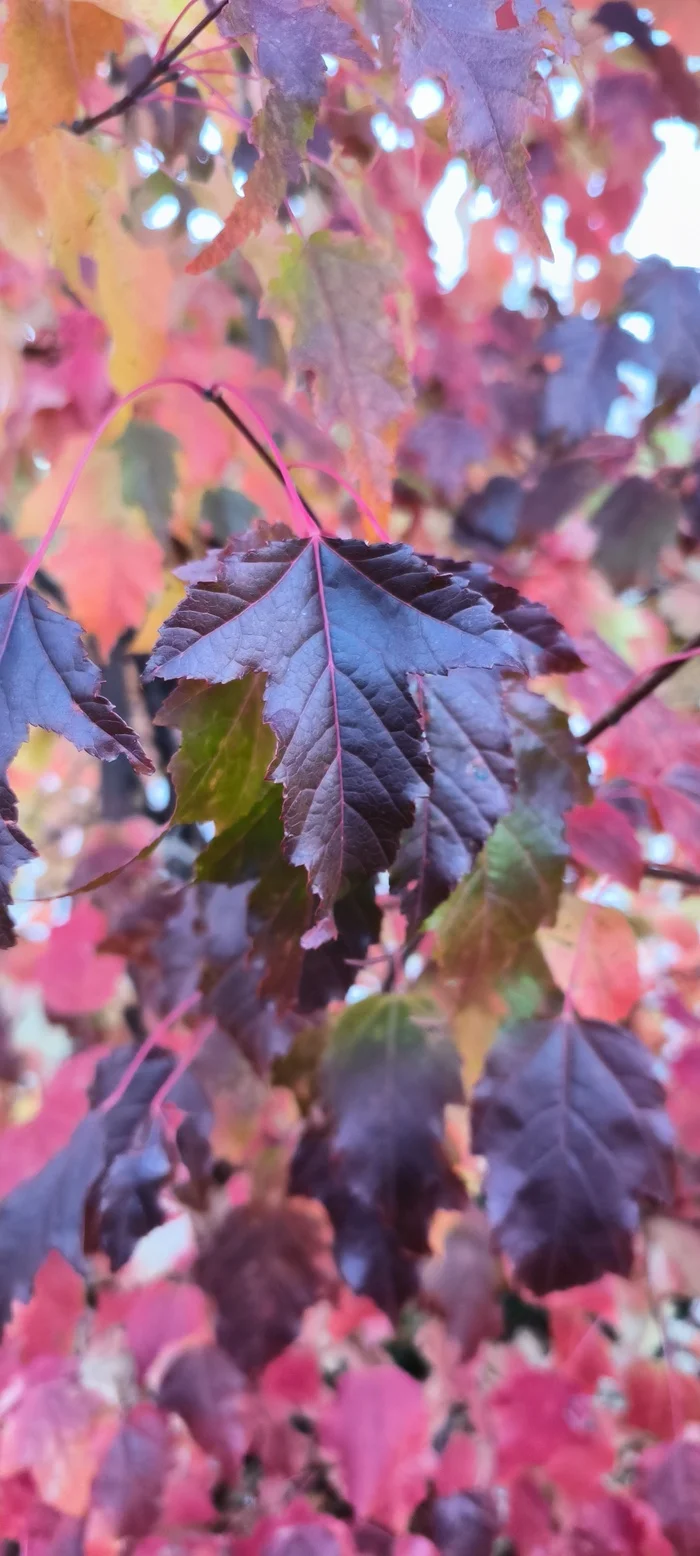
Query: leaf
[(603, 840), (490, 78), (461, 1283), (591, 953), (387, 1077), (474, 778), (133, 299), (72, 176), (583, 383), (280, 132), (55, 1433), (670, 295), (48, 55), (128, 1486), (335, 288), (73, 979), (670, 1481), (203, 1386), (377, 1162), (337, 626), (47, 1211), (634, 522), (149, 471), (47, 680), (378, 1429), (570, 1119), (15, 850), (128, 1203), (544, 645), (542, 1420), (262, 1269), (108, 571), (291, 42), (463, 1524), (496, 910), (220, 767)]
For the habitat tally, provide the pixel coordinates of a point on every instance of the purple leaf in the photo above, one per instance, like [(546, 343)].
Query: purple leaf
[(292, 41), (338, 626), (570, 1118)]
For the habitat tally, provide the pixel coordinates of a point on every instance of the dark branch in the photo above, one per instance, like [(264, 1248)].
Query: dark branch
[(159, 69), (672, 872), (263, 453), (637, 694)]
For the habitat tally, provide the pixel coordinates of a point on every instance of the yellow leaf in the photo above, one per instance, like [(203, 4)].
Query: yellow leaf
[(155, 16), (170, 595), (474, 1030), (133, 297), (72, 176), (49, 52)]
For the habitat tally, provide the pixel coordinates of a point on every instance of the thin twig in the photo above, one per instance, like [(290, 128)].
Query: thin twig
[(673, 872), (638, 692), (159, 68), (237, 421)]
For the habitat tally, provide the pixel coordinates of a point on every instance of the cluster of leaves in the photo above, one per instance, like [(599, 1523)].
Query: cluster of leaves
[(349, 784)]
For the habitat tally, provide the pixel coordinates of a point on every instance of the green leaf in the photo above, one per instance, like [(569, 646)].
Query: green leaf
[(493, 914), (219, 770), (149, 471)]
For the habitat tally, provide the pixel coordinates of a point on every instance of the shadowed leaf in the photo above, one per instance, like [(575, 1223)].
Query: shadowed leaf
[(570, 1119)]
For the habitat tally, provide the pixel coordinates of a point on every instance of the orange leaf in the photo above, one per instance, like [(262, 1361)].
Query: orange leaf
[(591, 953), (49, 52)]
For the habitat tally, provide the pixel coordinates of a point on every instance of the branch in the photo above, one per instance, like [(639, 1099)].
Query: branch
[(672, 872), (236, 421), (638, 692), (159, 69)]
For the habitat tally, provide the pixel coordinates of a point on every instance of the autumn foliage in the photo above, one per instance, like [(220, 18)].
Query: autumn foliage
[(349, 783)]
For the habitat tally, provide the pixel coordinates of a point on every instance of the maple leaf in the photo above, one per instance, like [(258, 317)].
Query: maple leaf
[(262, 1269), (463, 1524), (570, 1119), (378, 1164), (47, 1211), (48, 56), (493, 913), (225, 751), (127, 1202), (337, 626), (633, 523), (335, 288), (474, 778), (670, 295), (377, 1427), (280, 132), (47, 680), (461, 1283), (292, 40), (602, 838), (591, 952), (205, 1388), (127, 1489), (670, 1481), (15, 850), (580, 391), (490, 78)]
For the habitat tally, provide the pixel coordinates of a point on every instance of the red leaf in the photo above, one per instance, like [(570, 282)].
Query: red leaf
[(604, 841), (73, 978), (543, 1421), (379, 1431)]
